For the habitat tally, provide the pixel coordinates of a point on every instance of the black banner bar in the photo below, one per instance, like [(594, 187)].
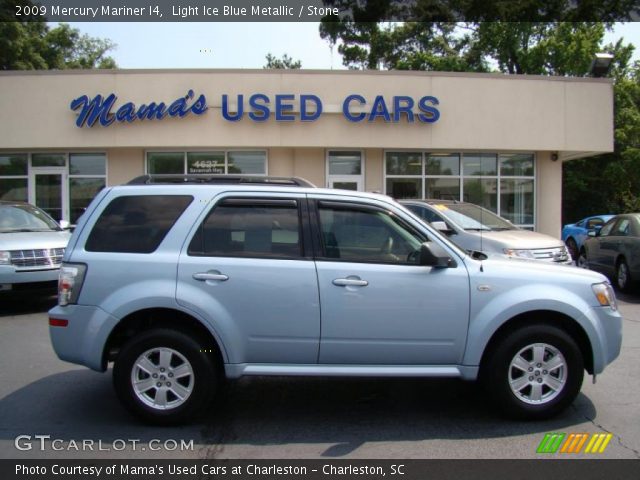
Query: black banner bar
[(316, 10), (320, 469)]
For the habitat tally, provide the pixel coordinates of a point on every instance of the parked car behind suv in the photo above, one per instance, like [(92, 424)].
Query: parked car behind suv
[(475, 228), (614, 250), (31, 247), (180, 285), (575, 234)]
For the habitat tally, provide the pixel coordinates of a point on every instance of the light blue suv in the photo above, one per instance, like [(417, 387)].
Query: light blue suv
[(183, 281)]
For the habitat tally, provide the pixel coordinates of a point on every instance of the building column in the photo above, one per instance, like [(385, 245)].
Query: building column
[(548, 194)]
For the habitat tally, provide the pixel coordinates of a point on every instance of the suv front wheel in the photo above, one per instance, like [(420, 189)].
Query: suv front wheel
[(164, 377), (535, 372)]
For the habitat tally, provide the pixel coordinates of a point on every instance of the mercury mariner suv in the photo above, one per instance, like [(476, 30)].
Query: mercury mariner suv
[(183, 281)]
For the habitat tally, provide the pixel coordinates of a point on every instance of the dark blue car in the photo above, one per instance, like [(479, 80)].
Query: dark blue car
[(575, 234)]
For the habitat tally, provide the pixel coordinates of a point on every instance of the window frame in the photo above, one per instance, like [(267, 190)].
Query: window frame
[(461, 177), (304, 234), (223, 150), (318, 240)]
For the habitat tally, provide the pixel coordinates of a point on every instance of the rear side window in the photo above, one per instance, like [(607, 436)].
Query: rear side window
[(136, 224), (250, 228)]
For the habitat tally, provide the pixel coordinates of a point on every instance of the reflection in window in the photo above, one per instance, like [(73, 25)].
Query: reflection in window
[(516, 200), (400, 188), (367, 236), (443, 164), (480, 164), (207, 163), (471, 177), (482, 192), (249, 231), (345, 163)]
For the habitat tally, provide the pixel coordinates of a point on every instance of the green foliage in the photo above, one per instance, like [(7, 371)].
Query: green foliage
[(286, 62), (35, 46)]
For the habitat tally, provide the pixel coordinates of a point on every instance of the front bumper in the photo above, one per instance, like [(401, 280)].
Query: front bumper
[(609, 337), (10, 276)]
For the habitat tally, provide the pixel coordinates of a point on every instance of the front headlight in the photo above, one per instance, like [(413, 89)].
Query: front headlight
[(5, 258), (604, 294), (511, 252)]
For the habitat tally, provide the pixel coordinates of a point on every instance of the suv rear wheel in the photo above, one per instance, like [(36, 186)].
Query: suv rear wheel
[(535, 372), (164, 377)]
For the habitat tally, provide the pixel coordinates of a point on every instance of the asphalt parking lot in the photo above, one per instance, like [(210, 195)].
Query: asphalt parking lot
[(291, 418)]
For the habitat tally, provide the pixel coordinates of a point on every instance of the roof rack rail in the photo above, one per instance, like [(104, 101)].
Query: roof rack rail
[(220, 180)]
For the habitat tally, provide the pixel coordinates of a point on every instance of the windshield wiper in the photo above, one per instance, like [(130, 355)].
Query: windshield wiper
[(478, 229), (501, 229)]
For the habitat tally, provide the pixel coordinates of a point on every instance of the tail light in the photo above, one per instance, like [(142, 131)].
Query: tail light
[(70, 282)]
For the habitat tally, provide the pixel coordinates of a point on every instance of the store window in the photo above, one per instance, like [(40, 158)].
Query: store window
[(208, 163), (63, 184), (14, 177), (502, 183), (87, 176)]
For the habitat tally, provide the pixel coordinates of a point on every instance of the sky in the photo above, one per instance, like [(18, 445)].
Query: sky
[(238, 45)]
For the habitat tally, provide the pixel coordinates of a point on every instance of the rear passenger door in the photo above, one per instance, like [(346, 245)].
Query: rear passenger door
[(248, 269)]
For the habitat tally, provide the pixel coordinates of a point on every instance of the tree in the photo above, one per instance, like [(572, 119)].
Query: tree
[(33, 45), (585, 192), (284, 63)]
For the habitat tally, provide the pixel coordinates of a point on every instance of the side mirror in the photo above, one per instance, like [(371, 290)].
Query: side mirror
[(593, 233), (433, 255), (442, 227), (64, 224)]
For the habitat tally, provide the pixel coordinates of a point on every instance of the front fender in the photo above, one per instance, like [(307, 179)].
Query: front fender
[(492, 313)]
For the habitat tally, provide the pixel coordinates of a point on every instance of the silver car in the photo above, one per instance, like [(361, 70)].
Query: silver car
[(477, 229), (32, 245)]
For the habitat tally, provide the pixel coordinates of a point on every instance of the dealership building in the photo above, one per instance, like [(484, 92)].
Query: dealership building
[(490, 139)]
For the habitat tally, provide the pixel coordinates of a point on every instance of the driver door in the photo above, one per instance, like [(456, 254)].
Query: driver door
[(378, 306)]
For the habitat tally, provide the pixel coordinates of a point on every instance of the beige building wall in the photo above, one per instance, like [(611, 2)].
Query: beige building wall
[(478, 111), (123, 164), (548, 194)]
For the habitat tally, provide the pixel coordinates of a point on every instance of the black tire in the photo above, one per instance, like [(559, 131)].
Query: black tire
[(572, 246), (583, 261), (623, 278), (195, 367), (497, 372)]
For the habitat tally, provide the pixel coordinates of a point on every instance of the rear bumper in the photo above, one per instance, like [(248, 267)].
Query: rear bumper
[(83, 340)]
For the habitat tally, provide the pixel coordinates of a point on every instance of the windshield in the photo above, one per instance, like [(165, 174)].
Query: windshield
[(472, 217), (25, 218)]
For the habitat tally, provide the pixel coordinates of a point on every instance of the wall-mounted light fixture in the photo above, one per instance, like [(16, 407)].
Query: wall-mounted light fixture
[(601, 64)]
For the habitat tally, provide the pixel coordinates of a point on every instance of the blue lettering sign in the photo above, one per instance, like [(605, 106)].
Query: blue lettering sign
[(345, 108), (99, 109), (431, 114), (239, 108)]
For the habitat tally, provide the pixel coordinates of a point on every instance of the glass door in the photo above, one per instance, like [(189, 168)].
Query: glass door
[(345, 169), (49, 191), (346, 183)]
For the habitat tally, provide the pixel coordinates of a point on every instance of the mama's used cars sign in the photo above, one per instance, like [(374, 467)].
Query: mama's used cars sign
[(257, 107)]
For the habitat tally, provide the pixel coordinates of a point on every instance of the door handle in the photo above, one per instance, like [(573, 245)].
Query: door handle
[(350, 282), (203, 276)]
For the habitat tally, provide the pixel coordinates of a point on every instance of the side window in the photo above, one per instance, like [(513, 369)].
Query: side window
[(622, 228), (426, 214), (136, 223), (250, 228), (593, 223), (354, 234), (606, 229)]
